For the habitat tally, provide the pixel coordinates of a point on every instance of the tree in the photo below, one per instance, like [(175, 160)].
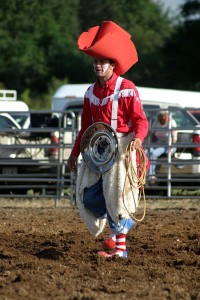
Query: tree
[(182, 64), (37, 42)]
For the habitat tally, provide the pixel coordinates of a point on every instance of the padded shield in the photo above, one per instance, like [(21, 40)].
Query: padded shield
[(99, 147)]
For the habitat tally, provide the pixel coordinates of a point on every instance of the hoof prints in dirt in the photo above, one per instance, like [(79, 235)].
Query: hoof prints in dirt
[(49, 254)]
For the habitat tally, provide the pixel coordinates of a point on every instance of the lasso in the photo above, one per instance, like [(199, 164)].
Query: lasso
[(139, 174)]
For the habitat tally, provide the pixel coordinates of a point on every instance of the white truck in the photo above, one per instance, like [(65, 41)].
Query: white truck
[(22, 153), (19, 110)]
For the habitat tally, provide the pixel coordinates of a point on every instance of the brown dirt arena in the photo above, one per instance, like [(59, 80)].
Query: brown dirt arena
[(47, 253)]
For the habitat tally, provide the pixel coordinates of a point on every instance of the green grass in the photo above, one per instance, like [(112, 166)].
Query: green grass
[(182, 192)]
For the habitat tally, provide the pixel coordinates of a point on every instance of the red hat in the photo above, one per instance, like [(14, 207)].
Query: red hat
[(109, 41)]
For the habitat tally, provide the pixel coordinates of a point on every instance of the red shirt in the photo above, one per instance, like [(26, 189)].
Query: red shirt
[(130, 117)]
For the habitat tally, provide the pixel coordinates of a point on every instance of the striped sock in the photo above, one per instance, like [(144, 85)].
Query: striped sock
[(120, 242)]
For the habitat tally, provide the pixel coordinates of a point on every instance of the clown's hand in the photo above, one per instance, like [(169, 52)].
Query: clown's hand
[(136, 144), (72, 163)]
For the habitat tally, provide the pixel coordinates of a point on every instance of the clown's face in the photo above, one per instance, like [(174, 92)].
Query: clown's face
[(103, 67)]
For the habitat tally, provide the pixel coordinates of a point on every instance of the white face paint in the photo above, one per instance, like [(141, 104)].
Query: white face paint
[(105, 67)]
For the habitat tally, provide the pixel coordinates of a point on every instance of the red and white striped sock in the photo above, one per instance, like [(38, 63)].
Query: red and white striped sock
[(120, 242)]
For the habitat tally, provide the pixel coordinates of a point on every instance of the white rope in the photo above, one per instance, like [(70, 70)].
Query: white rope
[(140, 174)]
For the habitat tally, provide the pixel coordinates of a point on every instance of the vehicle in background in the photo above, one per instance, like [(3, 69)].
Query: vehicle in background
[(70, 92), (19, 110), (22, 151), (195, 112), (14, 116), (69, 98), (7, 122), (188, 139), (177, 97), (11, 135), (67, 93)]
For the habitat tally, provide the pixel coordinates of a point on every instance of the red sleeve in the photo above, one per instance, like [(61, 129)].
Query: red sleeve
[(137, 116), (86, 121)]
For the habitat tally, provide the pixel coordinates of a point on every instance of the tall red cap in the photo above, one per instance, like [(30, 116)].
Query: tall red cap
[(109, 41)]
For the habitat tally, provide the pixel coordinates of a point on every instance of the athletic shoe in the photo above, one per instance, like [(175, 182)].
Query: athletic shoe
[(109, 243), (115, 253)]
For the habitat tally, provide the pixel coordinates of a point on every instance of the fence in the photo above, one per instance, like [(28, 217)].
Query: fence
[(34, 164)]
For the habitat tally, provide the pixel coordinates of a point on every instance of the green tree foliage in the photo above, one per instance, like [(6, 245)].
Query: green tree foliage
[(39, 51), (37, 43), (150, 27), (182, 55)]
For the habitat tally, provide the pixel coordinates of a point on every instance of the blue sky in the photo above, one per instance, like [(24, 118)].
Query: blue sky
[(173, 5)]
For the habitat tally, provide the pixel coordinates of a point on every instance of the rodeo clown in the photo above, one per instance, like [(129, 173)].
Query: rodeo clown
[(112, 119)]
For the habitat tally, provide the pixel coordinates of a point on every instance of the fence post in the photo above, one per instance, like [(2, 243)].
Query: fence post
[(169, 158)]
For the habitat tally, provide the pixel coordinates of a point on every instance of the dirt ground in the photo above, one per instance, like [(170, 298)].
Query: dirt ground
[(46, 252)]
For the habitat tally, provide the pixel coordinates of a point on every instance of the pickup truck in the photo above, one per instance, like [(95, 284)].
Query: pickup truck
[(24, 149)]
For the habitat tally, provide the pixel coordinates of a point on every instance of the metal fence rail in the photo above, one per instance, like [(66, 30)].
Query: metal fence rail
[(35, 173)]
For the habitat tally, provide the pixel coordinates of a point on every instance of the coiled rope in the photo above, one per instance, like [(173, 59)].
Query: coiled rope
[(136, 177)]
